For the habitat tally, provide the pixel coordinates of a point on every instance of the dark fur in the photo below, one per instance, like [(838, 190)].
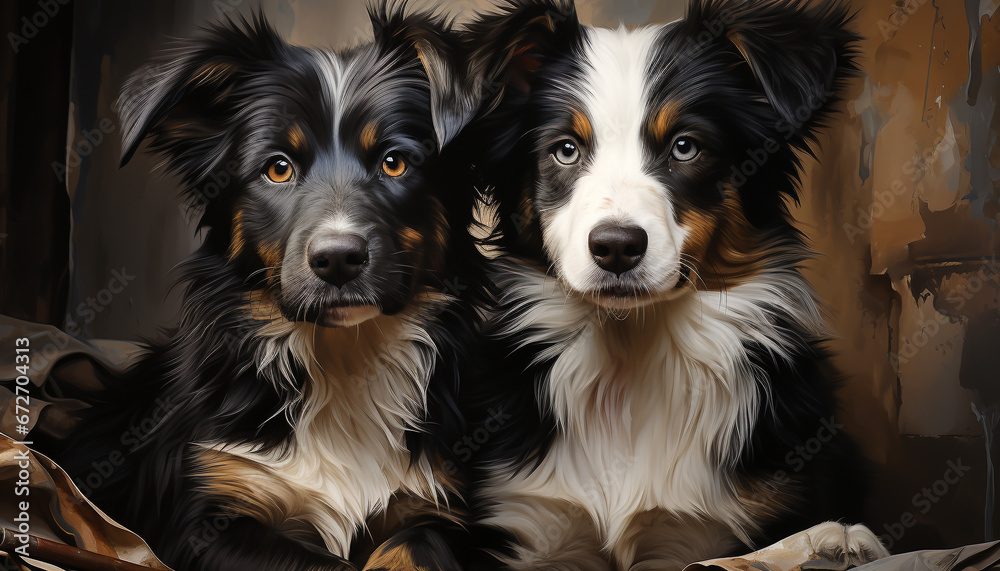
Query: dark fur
[(230, 96), (736, 102)]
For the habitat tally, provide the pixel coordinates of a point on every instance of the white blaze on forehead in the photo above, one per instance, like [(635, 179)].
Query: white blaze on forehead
[(332, 72), (335, 75), (356, 77), (615, 90), (614, 184)]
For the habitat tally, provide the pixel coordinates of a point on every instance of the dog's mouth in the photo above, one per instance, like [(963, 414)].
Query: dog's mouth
[(340, 313), (619, 297), (629, 295), (619, 291), (347, 315)]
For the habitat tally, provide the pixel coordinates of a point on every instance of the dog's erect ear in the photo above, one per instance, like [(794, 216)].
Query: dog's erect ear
[(800, 51), (182, 100), (429, 38), (507, 46)]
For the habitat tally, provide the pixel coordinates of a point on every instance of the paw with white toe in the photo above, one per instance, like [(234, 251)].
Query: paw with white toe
[(844, 546)]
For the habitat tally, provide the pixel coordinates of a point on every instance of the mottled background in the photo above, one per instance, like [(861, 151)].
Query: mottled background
[(901, 205)]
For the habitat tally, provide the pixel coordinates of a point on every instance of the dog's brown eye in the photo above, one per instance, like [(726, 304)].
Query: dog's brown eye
[(280, 170), (684, 149), (566, 152), (393, 164)]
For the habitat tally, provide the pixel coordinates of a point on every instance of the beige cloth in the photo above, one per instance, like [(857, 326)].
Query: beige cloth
[(790, 556), (61, 367), (59, 512)]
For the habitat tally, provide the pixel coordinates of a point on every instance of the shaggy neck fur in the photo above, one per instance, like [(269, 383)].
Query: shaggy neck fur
[(365, 387), (653, 407)]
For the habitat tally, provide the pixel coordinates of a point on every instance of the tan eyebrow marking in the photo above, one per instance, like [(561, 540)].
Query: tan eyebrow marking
[(582, 127), (664, 120), (368, 135), (297, 138)]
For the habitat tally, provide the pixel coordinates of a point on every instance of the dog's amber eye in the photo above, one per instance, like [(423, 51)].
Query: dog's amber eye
[(393, 164), (566, 152), (280, 170), (684, 149)]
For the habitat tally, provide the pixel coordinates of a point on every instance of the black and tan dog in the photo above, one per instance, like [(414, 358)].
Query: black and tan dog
[(303, 410), (656, 342)]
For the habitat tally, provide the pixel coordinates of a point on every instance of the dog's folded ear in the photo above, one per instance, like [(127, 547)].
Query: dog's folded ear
[(800, 52), (429, 38), (504, 50), (182, 100), (506, 47)]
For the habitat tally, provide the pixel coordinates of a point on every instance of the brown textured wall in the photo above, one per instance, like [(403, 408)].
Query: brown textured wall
[(901, 204)]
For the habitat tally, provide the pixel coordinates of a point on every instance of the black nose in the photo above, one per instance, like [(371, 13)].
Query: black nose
[(338, 258), (618, 249)]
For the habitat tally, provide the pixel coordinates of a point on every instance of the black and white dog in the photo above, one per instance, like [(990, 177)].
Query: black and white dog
[(661, 350), (303, 412)]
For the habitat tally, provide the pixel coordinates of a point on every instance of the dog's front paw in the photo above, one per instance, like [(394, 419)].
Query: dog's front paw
[(844, 545)]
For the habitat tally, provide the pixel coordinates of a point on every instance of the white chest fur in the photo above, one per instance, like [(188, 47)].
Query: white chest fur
[(651, 408), (366, 386)]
